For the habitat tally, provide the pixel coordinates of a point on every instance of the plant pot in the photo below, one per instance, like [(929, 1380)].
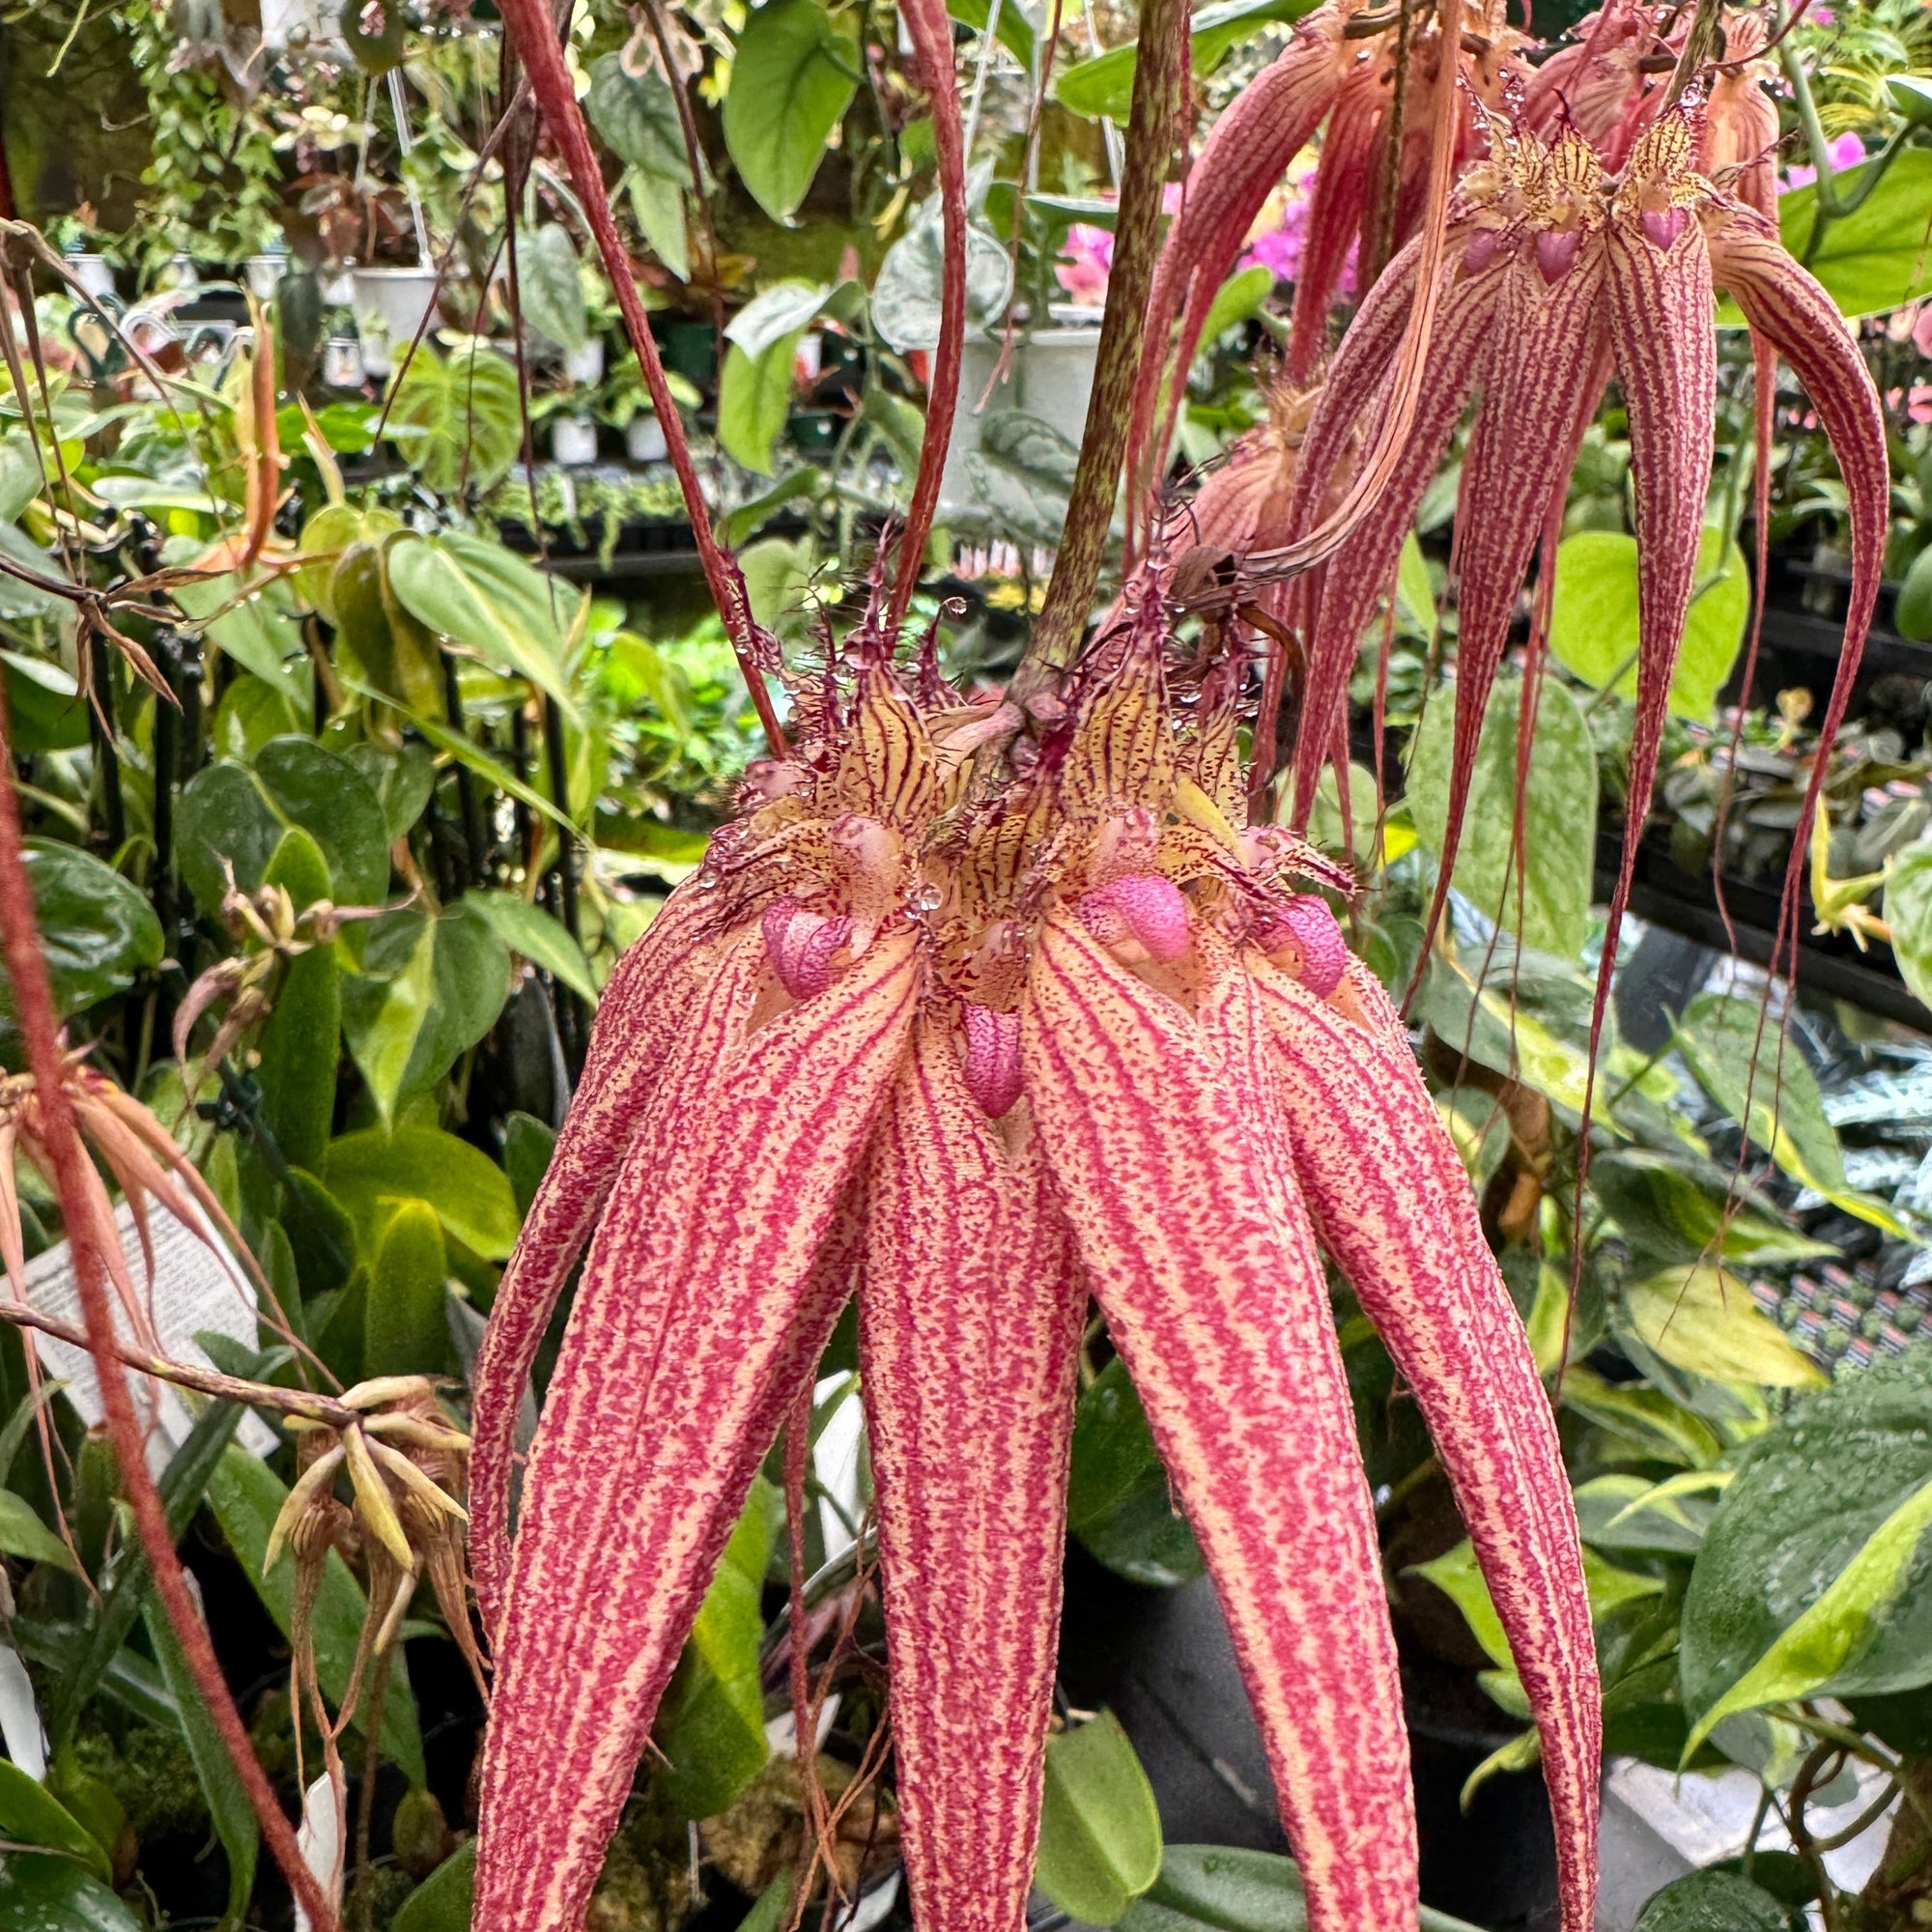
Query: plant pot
[(342, 365), (265, 272), (585, 364), (1050, 377), (93, 273), (573, 440), (399, 298), (645, 438)]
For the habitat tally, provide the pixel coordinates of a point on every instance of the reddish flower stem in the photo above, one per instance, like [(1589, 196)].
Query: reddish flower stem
[(1152, 123), (33, 1004), (533, 30), (931, 30)]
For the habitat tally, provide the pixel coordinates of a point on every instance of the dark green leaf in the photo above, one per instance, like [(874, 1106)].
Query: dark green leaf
[(1811, 1497), (1713, 1901), (301, 1040), (442, 1902), (1118, 1503), (792, 78), (228, 1805), (636, 115), (1014, 32), (1099, 1828), (31, 1815), (44, 709), (428, 988), (551, 289), (98, 932), (527, 1146), (51, 1894), (255, 624)]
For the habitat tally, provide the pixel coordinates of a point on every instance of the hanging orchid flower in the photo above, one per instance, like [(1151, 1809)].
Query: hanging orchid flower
[(1340, 67), (1559, 274), (975, 1052)]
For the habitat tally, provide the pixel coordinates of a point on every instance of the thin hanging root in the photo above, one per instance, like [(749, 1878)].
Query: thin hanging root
[(22, 945)]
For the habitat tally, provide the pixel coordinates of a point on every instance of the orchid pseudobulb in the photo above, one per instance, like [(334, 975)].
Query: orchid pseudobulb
[(975, 1042)]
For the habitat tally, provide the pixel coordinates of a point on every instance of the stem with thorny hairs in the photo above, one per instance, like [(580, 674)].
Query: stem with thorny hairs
[(533, 31), (40, 1029), (1152, 128), (931, 30)]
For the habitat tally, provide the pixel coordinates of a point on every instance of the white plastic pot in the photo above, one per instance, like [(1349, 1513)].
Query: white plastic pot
[(265, 275), (1050, 376), (93, 273), (585, 364), (644, 438), (341, 363), (573, 440), (399, 298)]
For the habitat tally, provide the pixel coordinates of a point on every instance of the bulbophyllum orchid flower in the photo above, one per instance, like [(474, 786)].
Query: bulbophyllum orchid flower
[(976, 1042), (1338, 69), (1559, 274)]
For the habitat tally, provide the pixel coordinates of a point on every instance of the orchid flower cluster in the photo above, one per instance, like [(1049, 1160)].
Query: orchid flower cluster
[(987, 1006)]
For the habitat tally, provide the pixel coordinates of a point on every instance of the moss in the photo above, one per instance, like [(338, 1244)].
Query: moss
[(152, 1776)]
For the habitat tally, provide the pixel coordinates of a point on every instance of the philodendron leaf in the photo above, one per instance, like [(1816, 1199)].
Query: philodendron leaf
[(1559, 816), (636, 115), (1099, 1827), (1815, 1577), (754, 399), (793, 76), (1713, 1901), (247, 1497), (1703, 1319), (238, 814), (712, 1732), (42, 1893), (372, 1173), (1231, 1890), (1627, 1512), (1873, 259), (1761, 1080), (551, 291), (98, 931), (427, 990), (529, 930), (405, 1326), (1117, 1501), (1592, 618)]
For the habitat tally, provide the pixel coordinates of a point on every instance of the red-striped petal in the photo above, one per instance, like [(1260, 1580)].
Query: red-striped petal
[(644, 1005), (1392, 1203), (1183, 1220), (703, 1294), (1350, 148), (969, 1334)]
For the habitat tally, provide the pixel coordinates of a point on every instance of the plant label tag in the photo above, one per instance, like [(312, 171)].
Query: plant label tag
[(194, 1285)]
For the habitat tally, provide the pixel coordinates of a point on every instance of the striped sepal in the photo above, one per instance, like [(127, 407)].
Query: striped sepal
[(647, 1002), (1351, 147), (1357, 574), (1392, 1203), (682, 1348), (1215, 1298), (969, 1333), (1544, 384)]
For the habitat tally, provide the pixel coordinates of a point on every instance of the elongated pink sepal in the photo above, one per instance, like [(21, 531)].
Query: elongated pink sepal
[(1185, 1225), (969, 1332), (1392, 1201)]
